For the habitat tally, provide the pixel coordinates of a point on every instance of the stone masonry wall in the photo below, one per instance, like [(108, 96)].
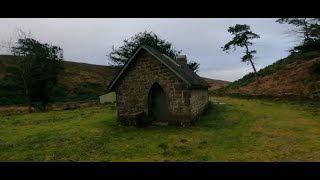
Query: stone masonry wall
[(133, 88), (198, 102)]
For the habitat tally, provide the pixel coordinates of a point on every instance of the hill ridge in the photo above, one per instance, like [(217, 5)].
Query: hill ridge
[(78, 82), (296, 75)]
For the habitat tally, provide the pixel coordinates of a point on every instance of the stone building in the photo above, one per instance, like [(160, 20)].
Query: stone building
[(153, 87)]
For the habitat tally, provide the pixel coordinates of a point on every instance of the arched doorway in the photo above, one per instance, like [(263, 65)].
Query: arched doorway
[(158, 104)]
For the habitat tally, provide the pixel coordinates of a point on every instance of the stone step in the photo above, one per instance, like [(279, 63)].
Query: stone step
[(159, 123), (216, 102)]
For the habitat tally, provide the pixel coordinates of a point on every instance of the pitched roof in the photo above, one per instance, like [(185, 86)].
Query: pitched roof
[(185, 73)]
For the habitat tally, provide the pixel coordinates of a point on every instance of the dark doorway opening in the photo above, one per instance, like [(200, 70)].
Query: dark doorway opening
[(157, 104)]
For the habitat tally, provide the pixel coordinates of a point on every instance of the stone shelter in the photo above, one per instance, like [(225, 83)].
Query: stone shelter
[(152, 87)]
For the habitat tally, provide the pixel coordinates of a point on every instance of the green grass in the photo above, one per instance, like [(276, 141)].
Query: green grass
[(241, 130)]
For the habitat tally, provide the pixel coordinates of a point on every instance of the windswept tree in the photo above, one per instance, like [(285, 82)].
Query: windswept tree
[(38, 66), (122, 54), (242, 36), (194, 66), (307, 29), (304, 27)]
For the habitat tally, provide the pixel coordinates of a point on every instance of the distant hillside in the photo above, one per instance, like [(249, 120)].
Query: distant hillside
[(81, 78), (216, 84), (78, 81), (296, 75)]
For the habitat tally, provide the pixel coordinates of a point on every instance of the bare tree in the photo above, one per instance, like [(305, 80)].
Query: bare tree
[(38, 66), (24, 65), (303, 28)]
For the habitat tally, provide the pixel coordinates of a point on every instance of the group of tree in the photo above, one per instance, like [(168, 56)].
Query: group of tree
[(38, 67), (307, 30), (122, 54)]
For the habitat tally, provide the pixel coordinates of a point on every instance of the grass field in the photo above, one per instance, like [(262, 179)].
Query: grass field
[(241, 130)]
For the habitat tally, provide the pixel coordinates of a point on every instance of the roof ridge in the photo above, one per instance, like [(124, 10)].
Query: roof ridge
[(172, 60), (187, 75)]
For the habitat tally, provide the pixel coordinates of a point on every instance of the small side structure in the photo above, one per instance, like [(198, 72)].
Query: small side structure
[(108, 98), (162, 89)]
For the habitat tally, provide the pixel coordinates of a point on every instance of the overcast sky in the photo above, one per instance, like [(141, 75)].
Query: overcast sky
[(89, 40)]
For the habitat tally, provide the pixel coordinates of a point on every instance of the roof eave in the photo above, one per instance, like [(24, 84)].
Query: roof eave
[(200, 86), (112, 83), (114, 80), (168, 67)]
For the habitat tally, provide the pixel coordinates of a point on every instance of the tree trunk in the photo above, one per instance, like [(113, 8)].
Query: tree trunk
[(254, 68), (29, 101), (255, 71), (43, 106), (306, 30), (27, 93)]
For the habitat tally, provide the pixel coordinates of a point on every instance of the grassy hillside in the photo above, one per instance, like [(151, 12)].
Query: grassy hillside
[(297, 75), (216, 84), (82, 81), (77, 82), (240, 130)]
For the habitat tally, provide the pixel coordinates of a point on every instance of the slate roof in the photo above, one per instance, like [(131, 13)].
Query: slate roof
[(184, 72)]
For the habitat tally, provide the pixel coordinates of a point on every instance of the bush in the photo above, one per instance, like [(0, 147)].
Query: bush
[(11, 92), (315, 71), (84, 92), (5, 101), (59, 93), (309, 46), (87, 91), (247, 79)]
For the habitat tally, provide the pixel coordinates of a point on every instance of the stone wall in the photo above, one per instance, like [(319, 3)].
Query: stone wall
[(133, 87), (198, 102)]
